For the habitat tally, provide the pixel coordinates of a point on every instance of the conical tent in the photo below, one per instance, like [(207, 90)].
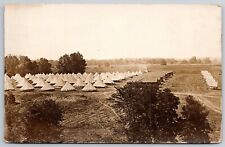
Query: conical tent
[(67, 87), (21, 82), (49, 79), (65, 77), (108, 80), (59, 83), (89, 87), (54, 80), (114, 77), (84, 75), (27, 76), (7, 77), (99, 83), (35, 80), (71, 79), (8, 85), (79, 83), (96, 77), (76, 77), (89, 78), (31, 77), (27, 86), (40, 83), (47, 87), (17, 77)]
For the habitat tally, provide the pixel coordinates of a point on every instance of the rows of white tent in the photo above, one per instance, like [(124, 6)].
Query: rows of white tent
[(211, 82), (66, 82)]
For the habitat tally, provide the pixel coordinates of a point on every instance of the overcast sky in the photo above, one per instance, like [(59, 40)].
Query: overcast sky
[(113, 31)]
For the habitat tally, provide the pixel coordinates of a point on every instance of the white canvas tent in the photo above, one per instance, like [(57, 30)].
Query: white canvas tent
[(67, 87), (27, 86), (89, 87), (79, 83), (47, 87), (21, 82), (40, 83), (107, 80), (59, 83), (210, 81), (99, 84), (54, 80), (7, 77), (8, 85), (49, 79), (89, 78)]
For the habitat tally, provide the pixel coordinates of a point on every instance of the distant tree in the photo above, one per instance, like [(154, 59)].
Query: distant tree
[(199, 61), (195, 125), (11, 63), (171, 61), (44, 66), (21, 65), (64, 64), (184, 61), (54, 64), (193, 60), (72, 63), (163, 62), (34, 67), (25, 65), (107, 64), (206, 60), (78, 64)]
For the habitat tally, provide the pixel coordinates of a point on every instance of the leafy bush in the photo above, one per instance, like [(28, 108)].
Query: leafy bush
[(42, 121), (14, 129), (45, 111), (149, 115), (9, 98), (195, 125), (32, 121)]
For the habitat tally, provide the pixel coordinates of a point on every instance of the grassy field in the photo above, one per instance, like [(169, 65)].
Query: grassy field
[(187, 80), (89, 118)]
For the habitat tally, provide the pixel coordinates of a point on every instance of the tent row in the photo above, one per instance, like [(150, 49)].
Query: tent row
[(153, 77), (66, 82), (211, 82)]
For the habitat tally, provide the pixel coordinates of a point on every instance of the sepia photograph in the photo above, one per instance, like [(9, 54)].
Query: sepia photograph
[(113, 73)]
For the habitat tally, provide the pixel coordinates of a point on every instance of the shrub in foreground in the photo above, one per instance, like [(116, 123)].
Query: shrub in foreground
[(149, 115), (195, 125), (42, 121)]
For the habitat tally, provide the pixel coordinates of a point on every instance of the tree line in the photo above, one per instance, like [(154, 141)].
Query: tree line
[(75, 63), (23, 65), (161, 61)]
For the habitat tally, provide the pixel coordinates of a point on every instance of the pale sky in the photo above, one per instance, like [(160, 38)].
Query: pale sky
[(103, 31)]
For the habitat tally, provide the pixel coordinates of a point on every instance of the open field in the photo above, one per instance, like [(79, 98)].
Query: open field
[(89, 118), (187, 80)]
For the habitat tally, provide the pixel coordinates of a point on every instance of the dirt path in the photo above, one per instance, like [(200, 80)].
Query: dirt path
[(203, 99)]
